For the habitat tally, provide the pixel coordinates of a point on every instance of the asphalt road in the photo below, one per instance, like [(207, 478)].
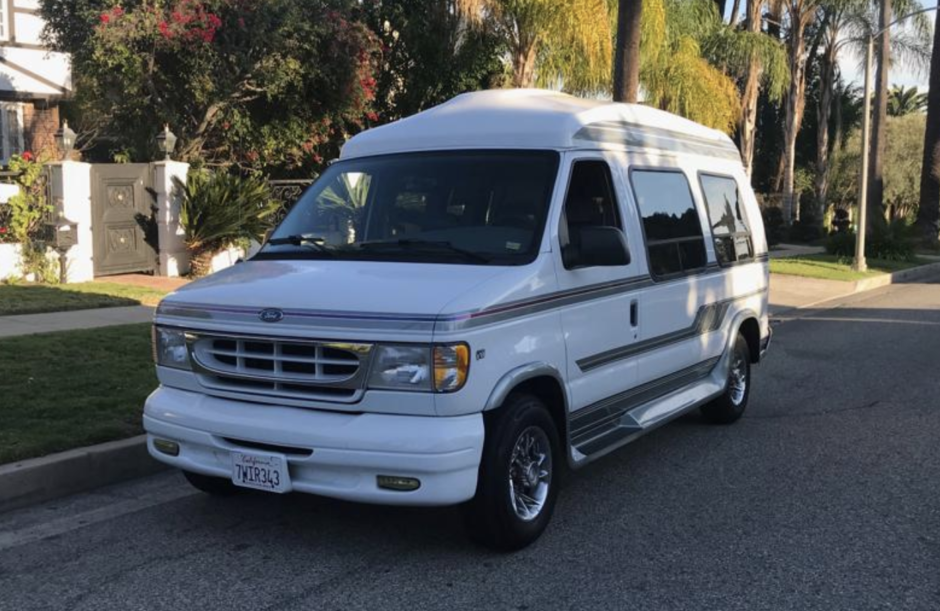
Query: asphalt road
[(824, 496)]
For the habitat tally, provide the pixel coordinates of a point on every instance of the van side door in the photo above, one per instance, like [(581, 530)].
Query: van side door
[(678, 309), (596, 320)]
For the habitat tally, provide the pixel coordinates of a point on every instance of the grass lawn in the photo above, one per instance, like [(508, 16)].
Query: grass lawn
[(37, 298), (69, 389), (832, 267)]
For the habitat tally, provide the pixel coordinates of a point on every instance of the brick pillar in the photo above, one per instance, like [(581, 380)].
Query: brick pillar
[(40, 123), (174, 258)]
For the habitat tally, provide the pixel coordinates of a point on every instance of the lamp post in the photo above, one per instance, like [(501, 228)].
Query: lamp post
[(166, 142), (65, 140), (860, 262)]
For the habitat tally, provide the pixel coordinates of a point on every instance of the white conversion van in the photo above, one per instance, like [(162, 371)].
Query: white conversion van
[(468, 303)]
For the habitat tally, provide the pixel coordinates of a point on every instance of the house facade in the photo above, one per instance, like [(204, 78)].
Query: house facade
[(33, 80)]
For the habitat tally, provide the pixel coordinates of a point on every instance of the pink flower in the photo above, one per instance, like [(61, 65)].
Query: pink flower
[(105, 18), (117, 11)]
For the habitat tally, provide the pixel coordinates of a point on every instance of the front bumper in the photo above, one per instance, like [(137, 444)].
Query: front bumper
[(348, 450)]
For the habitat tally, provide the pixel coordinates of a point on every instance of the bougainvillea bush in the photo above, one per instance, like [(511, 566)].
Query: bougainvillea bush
[(274, 85)]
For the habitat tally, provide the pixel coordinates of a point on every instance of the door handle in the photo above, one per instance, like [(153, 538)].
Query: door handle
[(634, 313)]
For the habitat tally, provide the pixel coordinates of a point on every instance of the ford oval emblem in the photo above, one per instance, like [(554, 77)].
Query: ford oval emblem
[(271, 315)]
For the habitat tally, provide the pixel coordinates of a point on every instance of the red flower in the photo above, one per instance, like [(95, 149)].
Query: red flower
[(372, 116), (105, 18), (317, 158), (117, 11), (27, 156), (165, 30), (226, 125), (3, 230)]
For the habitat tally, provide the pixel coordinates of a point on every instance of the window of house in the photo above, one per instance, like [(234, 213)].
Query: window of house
[(11, 126), (674, 239), (590, 201), (726, 216)]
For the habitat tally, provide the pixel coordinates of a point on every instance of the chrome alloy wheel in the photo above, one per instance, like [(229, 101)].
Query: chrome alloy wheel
[(530, 473), (737, 380)]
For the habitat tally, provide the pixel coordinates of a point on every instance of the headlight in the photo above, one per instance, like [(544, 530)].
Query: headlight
[(440, 368), (169, 348), (451, 364), (401, 368)]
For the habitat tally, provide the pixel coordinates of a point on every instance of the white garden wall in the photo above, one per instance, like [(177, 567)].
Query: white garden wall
[(9, 261)]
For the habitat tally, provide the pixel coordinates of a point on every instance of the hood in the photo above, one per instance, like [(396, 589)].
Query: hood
[(348, 298), (338, 286)]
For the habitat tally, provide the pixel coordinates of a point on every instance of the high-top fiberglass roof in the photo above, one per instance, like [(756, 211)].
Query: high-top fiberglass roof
[(538, 119)]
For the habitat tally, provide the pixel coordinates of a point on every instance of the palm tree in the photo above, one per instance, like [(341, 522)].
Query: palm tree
[(850, 23), (691, 59), (627, 52), (766, 68), (905, 101), (916, 30), (879, 123), (928, 214), (551, 42), (800, 14)]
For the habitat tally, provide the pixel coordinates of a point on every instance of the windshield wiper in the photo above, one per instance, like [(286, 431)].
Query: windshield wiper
[(315, 242), (428, 245)]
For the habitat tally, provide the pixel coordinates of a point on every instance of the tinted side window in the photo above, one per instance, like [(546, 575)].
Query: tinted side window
[(726, 217), (671, 224)]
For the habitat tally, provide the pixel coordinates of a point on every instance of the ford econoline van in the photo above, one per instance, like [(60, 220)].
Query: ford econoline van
[(468, 303)]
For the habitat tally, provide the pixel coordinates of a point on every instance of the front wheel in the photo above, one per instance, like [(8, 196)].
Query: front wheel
[(731, 404), (519, 476)]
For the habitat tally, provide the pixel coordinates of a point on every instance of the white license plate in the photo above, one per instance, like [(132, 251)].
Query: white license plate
[(266, 472)]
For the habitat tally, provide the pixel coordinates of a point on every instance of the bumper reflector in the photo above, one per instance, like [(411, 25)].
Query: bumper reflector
[(165, 446), (401, 484)]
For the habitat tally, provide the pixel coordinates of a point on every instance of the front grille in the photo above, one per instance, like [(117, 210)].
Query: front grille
[(279, 367)]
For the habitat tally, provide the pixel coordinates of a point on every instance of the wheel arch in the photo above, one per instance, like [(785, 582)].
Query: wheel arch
[(748, 326), (540, 379)]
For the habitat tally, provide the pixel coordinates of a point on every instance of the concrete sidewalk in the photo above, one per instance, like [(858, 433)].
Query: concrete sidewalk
[(26, 324)]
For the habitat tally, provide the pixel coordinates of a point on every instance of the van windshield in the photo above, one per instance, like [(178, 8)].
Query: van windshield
[(474, 207)]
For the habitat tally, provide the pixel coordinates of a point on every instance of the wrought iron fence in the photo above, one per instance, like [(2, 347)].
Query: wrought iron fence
[(287, 192)]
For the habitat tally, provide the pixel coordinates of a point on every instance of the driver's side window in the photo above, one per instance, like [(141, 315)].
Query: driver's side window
[(590, 202)]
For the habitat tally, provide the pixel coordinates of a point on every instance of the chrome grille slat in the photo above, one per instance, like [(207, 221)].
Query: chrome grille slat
[(280, 367)]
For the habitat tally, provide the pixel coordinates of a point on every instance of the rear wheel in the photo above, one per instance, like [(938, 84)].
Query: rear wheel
[(519, 476), (731, 404), (216, 486)]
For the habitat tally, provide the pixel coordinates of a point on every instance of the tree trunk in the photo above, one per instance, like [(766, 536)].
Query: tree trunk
[(736, 13), (793, 112), (879, 116), (928, 214), (747, 126), (523, 66), (627, 51), (826, 83), (200, 262)]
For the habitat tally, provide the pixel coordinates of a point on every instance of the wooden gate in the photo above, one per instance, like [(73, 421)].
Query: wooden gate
[(122, 214)]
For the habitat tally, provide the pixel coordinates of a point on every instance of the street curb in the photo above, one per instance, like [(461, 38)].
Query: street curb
[(868, 284), (36, 480)]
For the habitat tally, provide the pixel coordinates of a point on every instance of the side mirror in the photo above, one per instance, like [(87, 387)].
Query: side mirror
[(592, 246)]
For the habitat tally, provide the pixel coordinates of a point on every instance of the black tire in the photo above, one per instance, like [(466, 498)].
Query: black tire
[(730, 406), (216, 486), (491, 517)]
